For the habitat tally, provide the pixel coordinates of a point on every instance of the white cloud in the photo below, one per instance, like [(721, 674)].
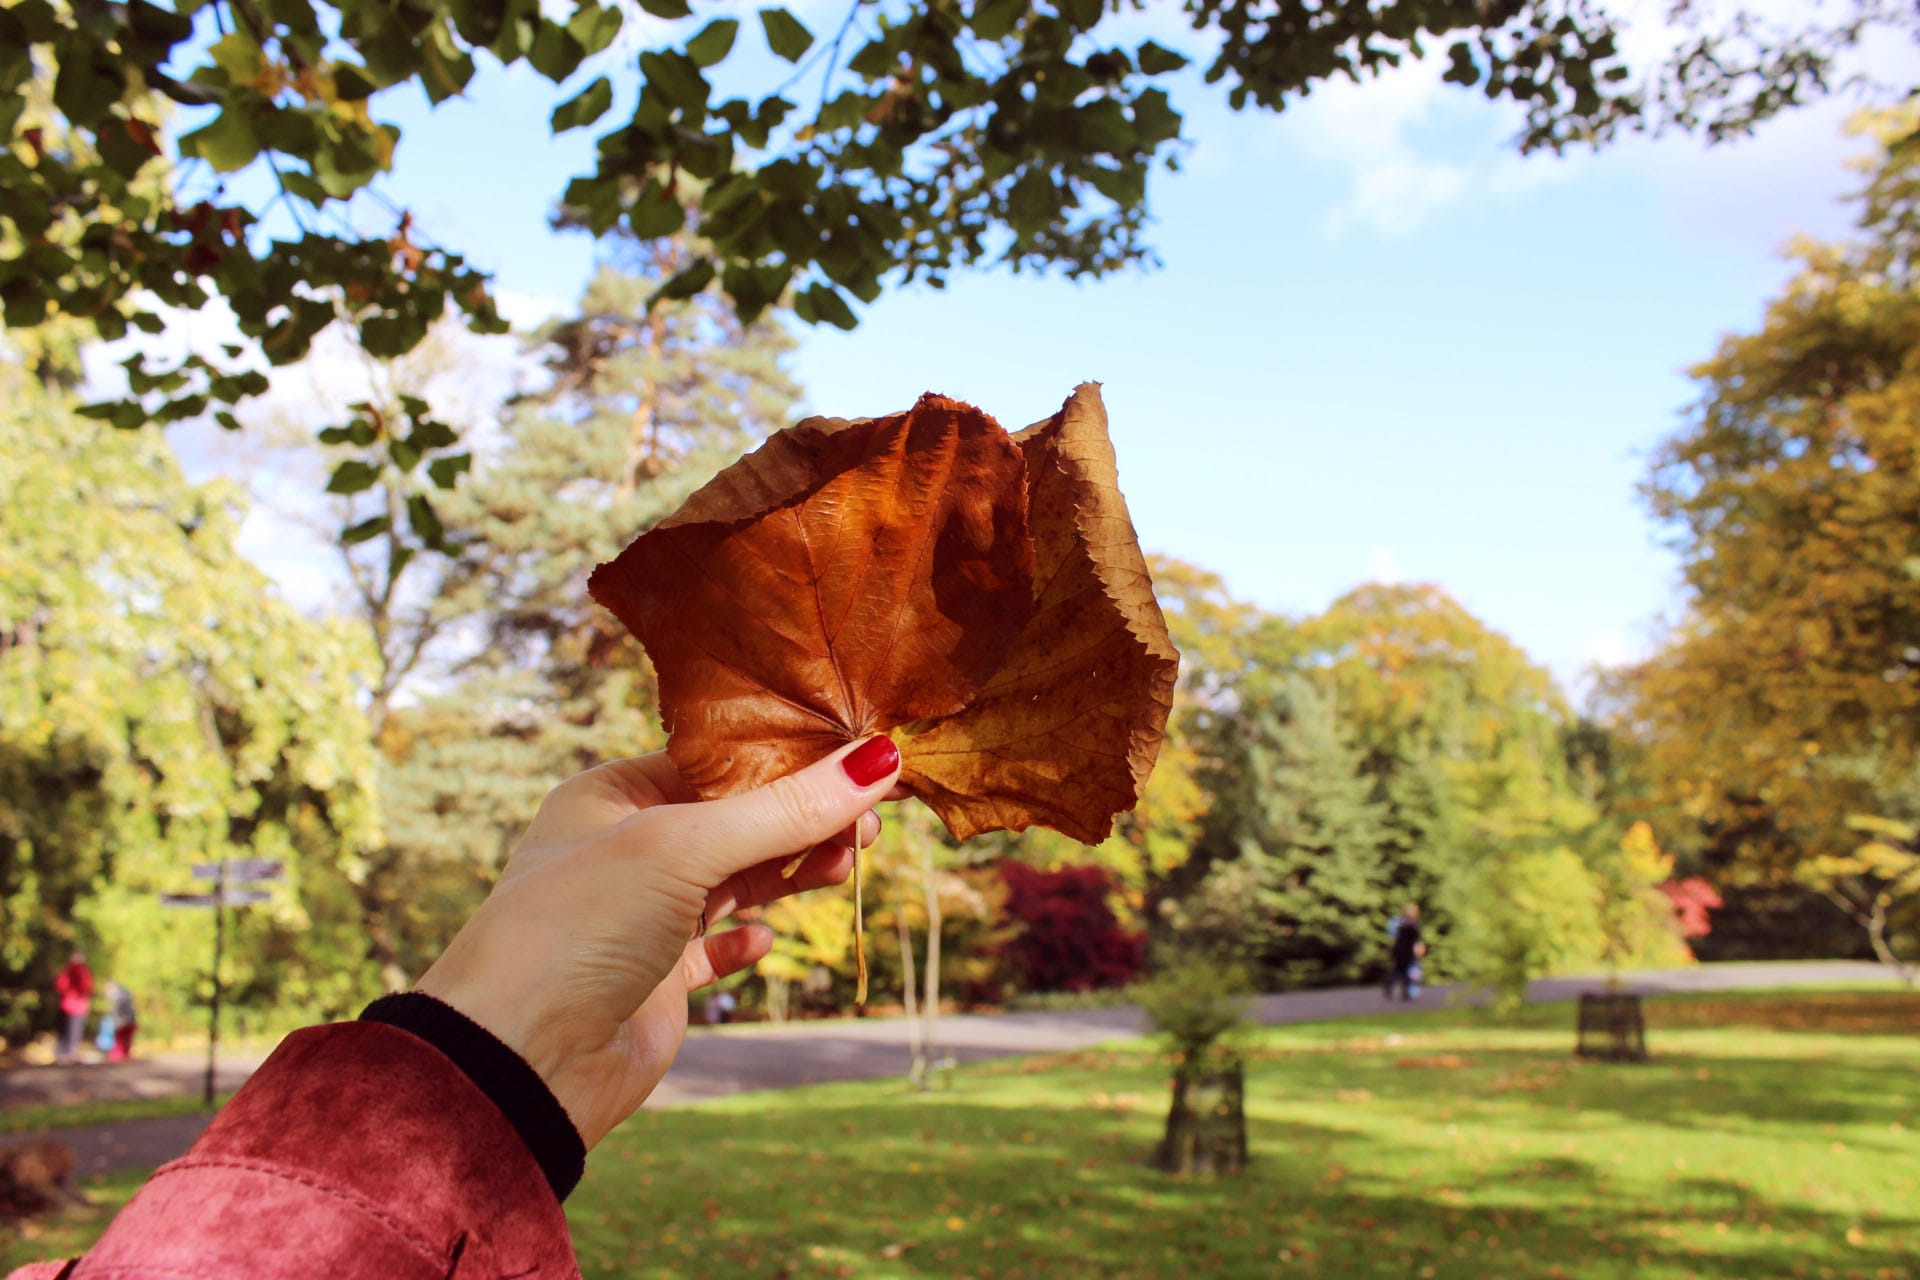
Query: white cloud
[(1397, 193), (1386, 133), (1410, 147), (1383, 567), (528, 311)]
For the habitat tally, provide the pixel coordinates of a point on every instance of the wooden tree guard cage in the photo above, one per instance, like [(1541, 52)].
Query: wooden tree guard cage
[(1611, 1028), (1207, 1122)]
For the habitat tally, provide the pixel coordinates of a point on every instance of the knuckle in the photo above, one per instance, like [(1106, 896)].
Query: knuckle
[(799, 811)]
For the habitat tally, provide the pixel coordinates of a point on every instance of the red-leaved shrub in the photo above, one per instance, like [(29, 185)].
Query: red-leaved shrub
[(1069, 939), (1692, 899)]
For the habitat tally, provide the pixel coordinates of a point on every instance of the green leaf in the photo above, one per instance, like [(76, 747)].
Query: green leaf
[(844, 110), (390, 335), (687, 283), (25, 304), (1126, 186), (1154, 119), (667, 8), (239, 56), (995, 19), (353, 476), (119, 148), (431, 434), (229, 143), (754, 289), (351, 84), (595, 28), (555, 53), (303, 185), (1156, 60), (786, 35), (714, 42), (162, 26), (426, 522), (1032, 203), (372, 527), (405, 456), (875, 59), (446, 472), (1083, 14), (1101, 126), (825, 303), (676, 77), (584, 107), (655, 214), (444, 73)]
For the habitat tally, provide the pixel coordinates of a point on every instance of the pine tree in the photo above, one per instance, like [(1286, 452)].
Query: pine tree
[(1426, 843), (1293, 802)]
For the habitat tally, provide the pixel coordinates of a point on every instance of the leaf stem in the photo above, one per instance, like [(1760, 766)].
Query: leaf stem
[(859, 926)]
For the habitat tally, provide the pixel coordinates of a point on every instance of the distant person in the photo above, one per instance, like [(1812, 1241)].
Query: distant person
[(74, 989), (1407, 949), (720, 1007), (126, 1019)]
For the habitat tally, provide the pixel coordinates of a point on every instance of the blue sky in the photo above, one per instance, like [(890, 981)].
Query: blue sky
[(1382, 344)]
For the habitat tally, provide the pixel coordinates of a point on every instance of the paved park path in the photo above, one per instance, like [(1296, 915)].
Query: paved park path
[(751, 1057)]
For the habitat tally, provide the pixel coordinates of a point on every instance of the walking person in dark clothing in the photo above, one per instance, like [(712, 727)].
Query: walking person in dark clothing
[(1408, 947)]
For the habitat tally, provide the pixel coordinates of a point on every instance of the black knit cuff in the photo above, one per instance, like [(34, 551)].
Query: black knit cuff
[(503, 1075)]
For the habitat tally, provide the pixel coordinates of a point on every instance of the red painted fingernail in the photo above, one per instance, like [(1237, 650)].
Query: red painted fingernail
[(871, 761)]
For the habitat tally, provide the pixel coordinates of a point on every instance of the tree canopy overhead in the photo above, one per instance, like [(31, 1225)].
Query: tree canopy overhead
[(907, 139)]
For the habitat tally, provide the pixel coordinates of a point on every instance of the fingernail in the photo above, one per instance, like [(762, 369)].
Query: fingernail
[(871, 761)]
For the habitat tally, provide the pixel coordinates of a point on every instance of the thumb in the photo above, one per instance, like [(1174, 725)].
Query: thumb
[(786, 815)]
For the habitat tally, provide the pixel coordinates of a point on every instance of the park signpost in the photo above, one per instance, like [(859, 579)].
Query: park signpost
[(228, 875)]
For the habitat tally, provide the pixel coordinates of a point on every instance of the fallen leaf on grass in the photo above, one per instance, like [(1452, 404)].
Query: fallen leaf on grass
[(1433, 1062)]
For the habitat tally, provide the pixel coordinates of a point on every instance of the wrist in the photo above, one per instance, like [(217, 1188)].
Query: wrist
[(499, 1072)]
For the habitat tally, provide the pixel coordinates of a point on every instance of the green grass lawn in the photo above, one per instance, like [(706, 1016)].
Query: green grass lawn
[(23, 1120), (1774, 1135)]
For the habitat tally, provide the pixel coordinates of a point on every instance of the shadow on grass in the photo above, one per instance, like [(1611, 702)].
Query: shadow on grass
[(1675, 1090), (951, 1187)]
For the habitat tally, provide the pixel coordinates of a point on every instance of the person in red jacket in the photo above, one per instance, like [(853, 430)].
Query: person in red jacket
[(74, 990), (436, 1136)]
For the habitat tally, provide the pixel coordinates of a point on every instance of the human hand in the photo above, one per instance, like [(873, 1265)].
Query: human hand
[(579, 959)]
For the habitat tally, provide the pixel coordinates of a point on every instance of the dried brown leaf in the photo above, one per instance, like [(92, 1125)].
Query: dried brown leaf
[(1065, 733), (980, 596)]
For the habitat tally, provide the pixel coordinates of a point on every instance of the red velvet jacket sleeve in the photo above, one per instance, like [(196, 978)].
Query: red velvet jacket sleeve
[(358, 1152)]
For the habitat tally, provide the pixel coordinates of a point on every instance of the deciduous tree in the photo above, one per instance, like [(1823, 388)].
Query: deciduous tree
[(1793, 493), (160, 706)]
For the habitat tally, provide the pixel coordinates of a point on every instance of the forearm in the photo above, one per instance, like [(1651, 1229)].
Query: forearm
[(358, 1151)]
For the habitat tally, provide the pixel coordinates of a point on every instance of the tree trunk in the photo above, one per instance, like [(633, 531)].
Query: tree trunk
[(778, 992), (1206, 1133), (916, 1040), (931, 1014), (1875, 921)]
